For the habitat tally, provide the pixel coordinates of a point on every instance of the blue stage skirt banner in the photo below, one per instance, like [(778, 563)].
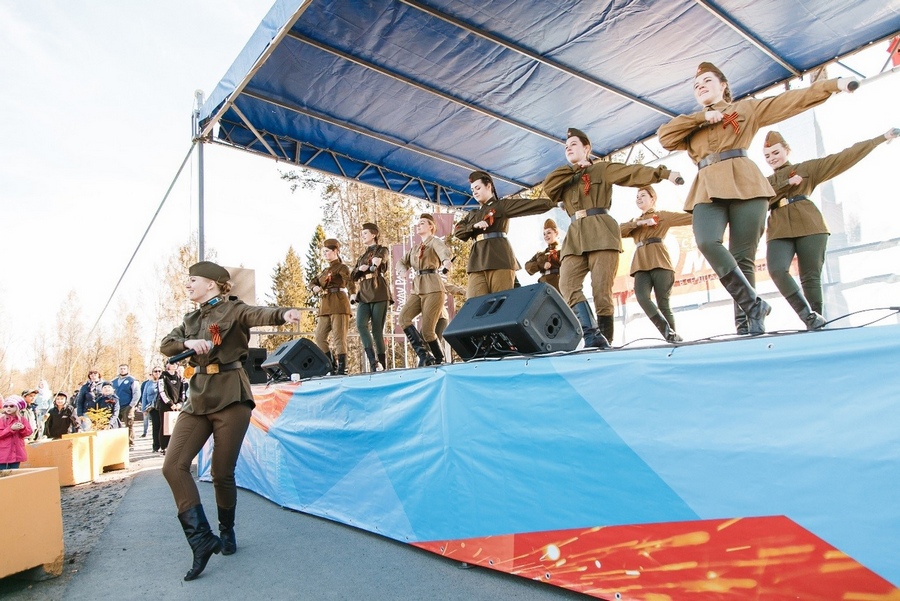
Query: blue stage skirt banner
[(801, 429)]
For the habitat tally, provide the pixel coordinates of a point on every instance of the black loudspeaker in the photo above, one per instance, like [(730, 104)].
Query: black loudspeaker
[(253, 366), (300, 356), (530, 319)]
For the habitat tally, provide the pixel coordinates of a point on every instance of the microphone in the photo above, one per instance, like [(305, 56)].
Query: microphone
[(679, 181), (180, 356), (852, 86)]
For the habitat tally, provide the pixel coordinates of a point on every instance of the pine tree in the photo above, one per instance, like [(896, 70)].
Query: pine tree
[(289, 289), (315, 263)]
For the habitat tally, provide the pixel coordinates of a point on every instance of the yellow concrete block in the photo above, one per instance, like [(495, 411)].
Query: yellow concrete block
[(37, 541), (71, 457)]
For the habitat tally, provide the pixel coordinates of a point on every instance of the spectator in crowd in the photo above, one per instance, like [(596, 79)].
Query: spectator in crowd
[(150, 402), (170, 387), (61, 417), (88, 392), (42, 403), (14, 429), (30, 414), (149, 393), (108, 402), (129, 393)]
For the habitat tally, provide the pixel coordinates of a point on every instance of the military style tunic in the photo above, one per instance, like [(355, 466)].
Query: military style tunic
[(335, 283), (653, 254), (738, 178), (210, 392), (802, 217), (536, 264), (496, 252), (426, 256), (581, 188), (372, 287)]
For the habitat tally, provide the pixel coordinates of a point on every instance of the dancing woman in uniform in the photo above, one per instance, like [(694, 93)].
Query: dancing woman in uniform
[(427, 259), (547, 261), (651, 265), (372, 296), (730, 191), (219, 403), (492, 265), (333, 284), (795, 225), (593, 242)]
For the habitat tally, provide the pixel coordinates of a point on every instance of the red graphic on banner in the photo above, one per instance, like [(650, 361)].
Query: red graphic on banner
[(270, 402), (770, 558)]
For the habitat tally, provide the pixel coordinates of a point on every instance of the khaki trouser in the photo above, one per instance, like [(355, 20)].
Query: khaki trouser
[(602, 265), (429, 305), (227, 427), (490, 281), (327, 324), (810, 252)]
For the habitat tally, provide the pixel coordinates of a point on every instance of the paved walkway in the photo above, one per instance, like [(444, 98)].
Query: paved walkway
[(282, 554)]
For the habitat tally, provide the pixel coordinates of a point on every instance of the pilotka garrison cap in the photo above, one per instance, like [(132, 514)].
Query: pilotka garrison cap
[(210, 271)]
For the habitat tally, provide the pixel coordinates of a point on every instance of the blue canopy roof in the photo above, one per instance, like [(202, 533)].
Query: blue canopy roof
[(412, 95)]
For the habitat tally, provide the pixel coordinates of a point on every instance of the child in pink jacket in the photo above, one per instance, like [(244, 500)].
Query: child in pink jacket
[(14, 429)]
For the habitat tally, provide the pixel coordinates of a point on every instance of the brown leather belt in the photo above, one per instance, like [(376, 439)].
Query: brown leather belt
[(490, 235), (648, 241), (549, 271), (333, 290), (721, 156), (214, 368), (786, 201), (588, 212)]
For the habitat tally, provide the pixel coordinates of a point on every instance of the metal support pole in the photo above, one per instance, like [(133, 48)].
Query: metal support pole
[(201, 241)]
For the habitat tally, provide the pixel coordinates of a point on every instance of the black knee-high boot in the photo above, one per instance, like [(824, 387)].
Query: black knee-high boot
[(743, 293), (592, 335), (662, 324), (226, 530), (374, 365), (798, 303), (436, 351), (418, 345), (606, 325), (201, 539)]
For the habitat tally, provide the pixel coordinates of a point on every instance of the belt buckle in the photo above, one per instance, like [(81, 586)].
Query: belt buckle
[(479, 237), (212, 368), (713, 159), (581, 214)]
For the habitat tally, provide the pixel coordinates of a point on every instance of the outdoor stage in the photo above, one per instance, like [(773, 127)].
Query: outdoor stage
[(752, 468)]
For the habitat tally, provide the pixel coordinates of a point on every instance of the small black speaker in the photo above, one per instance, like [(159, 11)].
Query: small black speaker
[(300, 356), (253, 366), (525, 320)]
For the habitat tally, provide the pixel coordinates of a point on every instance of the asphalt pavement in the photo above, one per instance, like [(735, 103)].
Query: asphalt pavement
[(282, 554)]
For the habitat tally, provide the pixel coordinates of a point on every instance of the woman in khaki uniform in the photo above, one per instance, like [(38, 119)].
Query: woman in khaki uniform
[(651, 266), (492, 265), (334, 306), (373, 296), (547, 261), (796, 227), (593, 242), (730, 191), (219, 403), (427, 259)]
